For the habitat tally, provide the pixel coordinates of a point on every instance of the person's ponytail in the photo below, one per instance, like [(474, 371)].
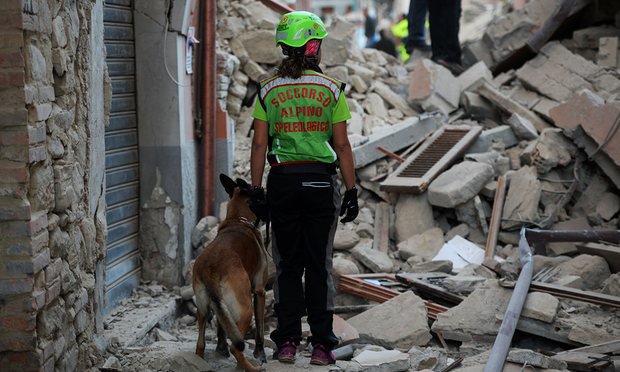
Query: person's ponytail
[(296, 62)]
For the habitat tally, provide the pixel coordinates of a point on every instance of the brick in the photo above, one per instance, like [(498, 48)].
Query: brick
[(11, 59), (22, 361), (12, 20), (46, 94), (25, 246), (53, 270), (12, 78), (39, 112), (46, 349), (17, 153), (12, 96), (13, 172), (10, 287), (8, 5), (18, 322), (36, 134), (41, 261), (13, 117), (14, 137), (53, 291), (36, 154), (433, 87), (37, 223), (14, 209)]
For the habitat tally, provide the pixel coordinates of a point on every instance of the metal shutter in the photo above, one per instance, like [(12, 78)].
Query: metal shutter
[(122, 270)]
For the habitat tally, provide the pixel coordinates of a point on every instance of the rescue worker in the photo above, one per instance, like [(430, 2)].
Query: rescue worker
[(300, 128)]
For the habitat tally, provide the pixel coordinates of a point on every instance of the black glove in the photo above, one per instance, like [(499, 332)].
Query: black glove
[(349, 205), (258, 203)]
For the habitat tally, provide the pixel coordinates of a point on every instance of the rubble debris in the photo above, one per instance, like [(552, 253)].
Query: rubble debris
[(459, 184), (433, 87), (390, 331)]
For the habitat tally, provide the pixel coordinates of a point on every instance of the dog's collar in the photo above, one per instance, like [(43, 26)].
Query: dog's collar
[(246, 221)]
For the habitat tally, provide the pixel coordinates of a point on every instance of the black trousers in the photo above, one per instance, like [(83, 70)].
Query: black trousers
[(444, 17), (303, 209)]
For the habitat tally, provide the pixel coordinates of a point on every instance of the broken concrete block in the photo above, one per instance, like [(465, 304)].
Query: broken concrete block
[(262, 16), (588, 38), (522, 127), (522, 198), (570, 281), (594, 270), (345, 239), (607, 52), (384, 360), (424, 245), (336, 49), (540, 306), (393, 98), (358, 83), (375, 56), (611, 285), (433, 87), (366, 74), (487, 138), (608, 206), (384, 323), (254, 71), (393, 138), (375, 105), (473, 319), (478, 107), (586, 203), (462, 284), (375, 124), (344, 266), (591, 333), (531, 358), (474, 76), (544, 107), (550, 150), (567, 248), (376, 261), (461, 252), (461, 230), (440, 266), (459, 184), (259, 45)]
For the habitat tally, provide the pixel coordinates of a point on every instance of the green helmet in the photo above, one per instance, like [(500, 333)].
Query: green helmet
[(297, 28)]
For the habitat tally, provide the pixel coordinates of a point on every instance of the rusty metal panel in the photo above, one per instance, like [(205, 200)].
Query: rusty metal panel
[(435, 155)]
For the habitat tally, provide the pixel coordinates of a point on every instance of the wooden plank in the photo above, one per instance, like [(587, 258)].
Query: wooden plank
[(602, 348), (496, 218), (583, 361), (433, 290), (399, 182), (393, 139), (610, 253), (381, 237), (511, 106), (576, 294)]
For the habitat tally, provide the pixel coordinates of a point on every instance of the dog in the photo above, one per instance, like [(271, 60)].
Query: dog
[(229, 275)]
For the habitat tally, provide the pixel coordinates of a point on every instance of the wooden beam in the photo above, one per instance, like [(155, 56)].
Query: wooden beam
[(381, 238), (496, 218)]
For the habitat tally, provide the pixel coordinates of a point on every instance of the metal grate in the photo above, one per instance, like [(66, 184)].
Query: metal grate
[(433, 153), (434, 156)]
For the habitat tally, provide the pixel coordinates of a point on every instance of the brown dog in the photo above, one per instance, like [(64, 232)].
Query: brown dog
[(227, 273)]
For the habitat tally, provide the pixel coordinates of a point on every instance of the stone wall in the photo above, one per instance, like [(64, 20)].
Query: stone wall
[(52, 218)]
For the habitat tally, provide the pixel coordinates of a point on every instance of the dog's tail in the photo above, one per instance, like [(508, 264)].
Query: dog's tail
[(224, 318)]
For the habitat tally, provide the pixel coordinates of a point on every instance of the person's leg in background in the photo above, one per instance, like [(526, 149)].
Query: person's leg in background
[(444, 17), (417, 30)]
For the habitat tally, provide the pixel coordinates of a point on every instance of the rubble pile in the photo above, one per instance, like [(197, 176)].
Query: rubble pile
[(450, 169)]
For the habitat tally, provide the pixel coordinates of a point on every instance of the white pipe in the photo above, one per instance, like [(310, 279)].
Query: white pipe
[(500, 349)]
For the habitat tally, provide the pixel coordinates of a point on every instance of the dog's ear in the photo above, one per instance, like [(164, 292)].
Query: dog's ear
[(242, 184), (228, 183)]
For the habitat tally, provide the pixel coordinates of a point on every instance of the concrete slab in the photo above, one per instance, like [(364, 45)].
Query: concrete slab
[(394, 138), (424, 245), (400, 322), (385, 360), (459, 184)]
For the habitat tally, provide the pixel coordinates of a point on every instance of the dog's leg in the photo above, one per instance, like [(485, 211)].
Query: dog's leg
[(222, 344), (200, 344), (243, 324), (259, 319)]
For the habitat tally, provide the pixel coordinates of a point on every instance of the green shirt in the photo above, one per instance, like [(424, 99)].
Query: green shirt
[(300, 114)]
